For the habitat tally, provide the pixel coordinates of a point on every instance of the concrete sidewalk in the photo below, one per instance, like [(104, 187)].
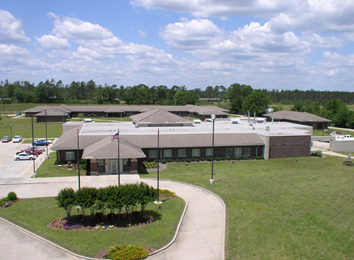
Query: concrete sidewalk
[(201, 235)]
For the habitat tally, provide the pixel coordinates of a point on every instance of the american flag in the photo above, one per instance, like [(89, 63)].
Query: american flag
[(116, 136)]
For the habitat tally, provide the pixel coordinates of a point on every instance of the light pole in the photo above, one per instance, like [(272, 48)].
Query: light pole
[(46, 136), (116, 136), (34, 163), (158, 167), (212, 152), (11, 131), (323, 122), (78, 158)]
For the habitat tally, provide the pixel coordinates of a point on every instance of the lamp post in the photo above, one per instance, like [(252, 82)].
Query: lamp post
[(158, 167), (212, 152), (46, 136), (34, 163), (323, 122), (78, 158), (116, 136), (11, 131)]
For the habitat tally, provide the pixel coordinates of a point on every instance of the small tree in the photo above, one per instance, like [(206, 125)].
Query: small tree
[(66, 199), (145, 194)]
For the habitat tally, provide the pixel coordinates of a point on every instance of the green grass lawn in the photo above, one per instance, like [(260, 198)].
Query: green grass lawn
[(319, 132), (48, 169), (23, 126), (343, 132), (35, 214), (280, 208)]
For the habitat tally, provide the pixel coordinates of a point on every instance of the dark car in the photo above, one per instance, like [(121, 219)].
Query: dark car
[(41, 142), (6, 139)]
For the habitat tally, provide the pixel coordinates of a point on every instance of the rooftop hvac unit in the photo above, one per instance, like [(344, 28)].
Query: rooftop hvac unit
[(267, 128)]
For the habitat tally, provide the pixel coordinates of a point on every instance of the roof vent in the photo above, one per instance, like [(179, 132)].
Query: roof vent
[(267, 128)]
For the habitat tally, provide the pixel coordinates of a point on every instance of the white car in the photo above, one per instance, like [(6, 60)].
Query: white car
[(24, 156), (17, 139)]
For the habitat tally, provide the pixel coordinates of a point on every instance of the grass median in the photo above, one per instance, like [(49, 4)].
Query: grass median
[(280, 208), (35, 214)]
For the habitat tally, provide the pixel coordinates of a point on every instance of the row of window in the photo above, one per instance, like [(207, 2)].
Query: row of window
[(230, 151)]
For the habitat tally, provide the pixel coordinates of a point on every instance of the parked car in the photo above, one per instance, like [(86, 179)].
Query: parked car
[(32, 151), (6, 139), (17, 139), (41, 142), (24, 156)]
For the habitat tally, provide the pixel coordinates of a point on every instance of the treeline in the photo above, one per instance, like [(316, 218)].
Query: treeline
[(52, 91)]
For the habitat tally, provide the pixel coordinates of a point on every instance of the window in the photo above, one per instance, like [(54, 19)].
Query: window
[(247, 151), (152, 153), (167, 153), (229, 151), (181, 152), (238, 151), (209, 152), (195, 152), (70, 156)]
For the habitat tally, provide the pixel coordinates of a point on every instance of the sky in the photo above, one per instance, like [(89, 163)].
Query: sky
[(267, 44)]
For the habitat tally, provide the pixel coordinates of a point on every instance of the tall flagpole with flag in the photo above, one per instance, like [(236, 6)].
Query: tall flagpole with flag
[(116, 136)]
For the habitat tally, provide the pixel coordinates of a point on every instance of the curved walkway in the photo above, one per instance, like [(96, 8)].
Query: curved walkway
[(201, 235)]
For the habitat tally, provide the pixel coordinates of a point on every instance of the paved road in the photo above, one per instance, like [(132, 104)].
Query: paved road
[(201, 235)]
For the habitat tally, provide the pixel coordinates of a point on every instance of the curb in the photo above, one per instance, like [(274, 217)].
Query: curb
[(45, 240), (206, 190)]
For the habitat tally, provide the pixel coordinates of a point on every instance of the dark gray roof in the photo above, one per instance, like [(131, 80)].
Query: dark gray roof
[(159, 116), (296, 116)]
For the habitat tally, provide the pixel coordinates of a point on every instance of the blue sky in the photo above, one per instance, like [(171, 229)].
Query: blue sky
[(267, 44)]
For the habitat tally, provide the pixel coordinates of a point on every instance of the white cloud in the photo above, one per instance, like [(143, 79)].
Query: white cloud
[(52, 42), (10, 29), (73, 28), (191, 35), (142, 34), (7, 51)]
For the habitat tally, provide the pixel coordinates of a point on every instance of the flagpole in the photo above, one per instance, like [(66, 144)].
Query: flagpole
[(158, 167)]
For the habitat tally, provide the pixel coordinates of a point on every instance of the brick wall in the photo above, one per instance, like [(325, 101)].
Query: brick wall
[(289, 146)]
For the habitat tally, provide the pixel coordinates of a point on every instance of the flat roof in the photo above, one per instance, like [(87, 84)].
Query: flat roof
[(128, 128)]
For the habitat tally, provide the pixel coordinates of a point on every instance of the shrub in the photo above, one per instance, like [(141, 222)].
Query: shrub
[(222, 158), (169, 160), (317, 153), (167, 192), (177, 160), (261, 157), (188, 160), (3, 201), (126, 252), (228, 158), (246, 158), (12, 196), (208, 159), (202, 159), (193, 159), (156, 161), (163, 161), (233, 158), (197, 159), (251, 158), (182, 160), (238, 158)]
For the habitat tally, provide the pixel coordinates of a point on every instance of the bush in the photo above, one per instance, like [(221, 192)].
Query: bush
[(163, 161), (197, 159), (193, 159), (188, 160), (233, 158), (222, 158), (177, 160), (317, 153), (251, 158), (261, 157), (12, 196), (167, 192), (246, 158), (238, 158), (126, 252), (169, 160), (3, 201), (209, 159), (182, 160), (228, 158), (202, 159)]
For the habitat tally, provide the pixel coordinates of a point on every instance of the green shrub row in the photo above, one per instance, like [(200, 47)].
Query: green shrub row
[(127, 196), (126, 252), (154, 163)]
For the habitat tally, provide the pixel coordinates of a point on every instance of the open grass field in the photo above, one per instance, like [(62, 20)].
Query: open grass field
[(48, 169), (281, 208), (35, 214), (23, 126)]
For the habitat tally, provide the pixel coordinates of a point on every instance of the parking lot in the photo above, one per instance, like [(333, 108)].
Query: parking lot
[(11, 168)]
